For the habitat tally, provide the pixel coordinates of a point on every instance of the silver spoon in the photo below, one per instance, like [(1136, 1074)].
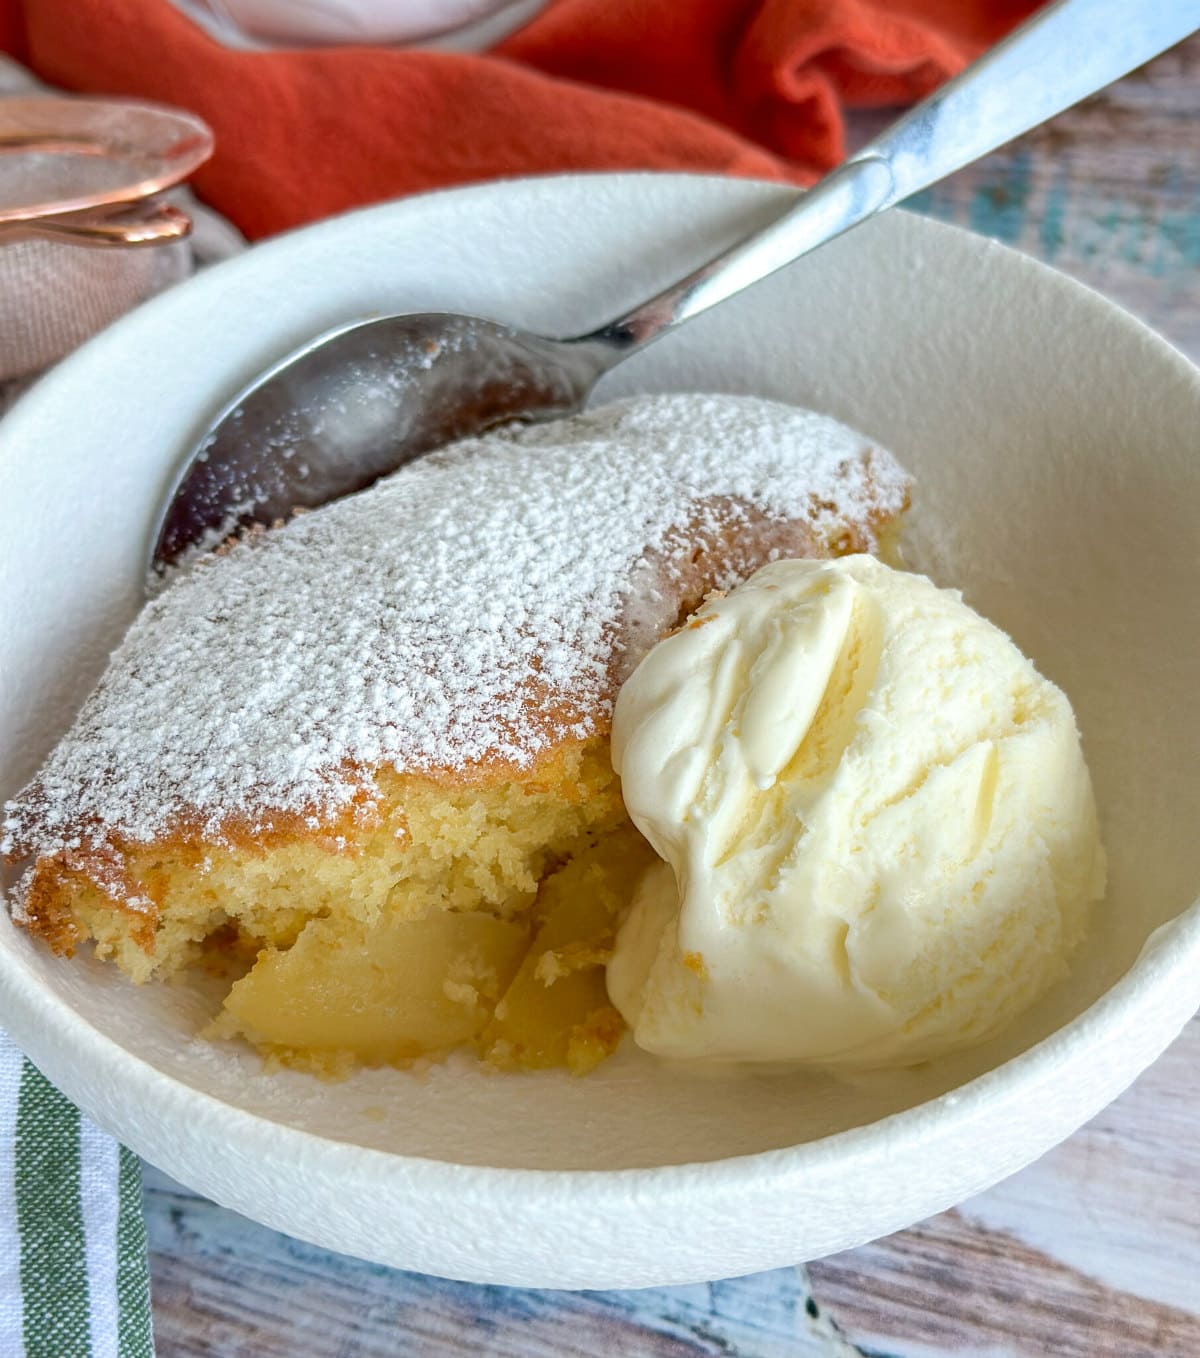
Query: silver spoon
[(372, 395)]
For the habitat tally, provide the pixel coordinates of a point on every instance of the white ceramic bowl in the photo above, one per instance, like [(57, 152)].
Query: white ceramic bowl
[(1055, 443)]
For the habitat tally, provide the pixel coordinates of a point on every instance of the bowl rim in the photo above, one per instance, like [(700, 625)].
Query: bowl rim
[(1168, 958)]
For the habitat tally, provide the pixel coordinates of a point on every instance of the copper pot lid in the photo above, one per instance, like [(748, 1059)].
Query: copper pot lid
[(71, 155)]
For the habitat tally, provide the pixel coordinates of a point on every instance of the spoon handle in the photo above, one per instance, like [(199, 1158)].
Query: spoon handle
[(1064, 53), (145, 222)]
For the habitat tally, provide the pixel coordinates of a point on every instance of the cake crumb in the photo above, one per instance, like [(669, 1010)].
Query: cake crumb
[(594, 1039)]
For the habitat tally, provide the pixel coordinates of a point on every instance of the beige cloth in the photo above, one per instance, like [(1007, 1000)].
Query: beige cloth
[(53, 296)]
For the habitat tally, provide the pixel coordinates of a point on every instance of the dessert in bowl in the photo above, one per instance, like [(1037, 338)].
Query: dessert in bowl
[(394, 801), (392, 816), (1025, 443)]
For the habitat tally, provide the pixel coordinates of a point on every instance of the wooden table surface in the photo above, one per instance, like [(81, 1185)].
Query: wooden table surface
[(1093, 1252)]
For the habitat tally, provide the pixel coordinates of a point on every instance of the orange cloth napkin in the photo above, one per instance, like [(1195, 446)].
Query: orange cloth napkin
[(744, 87)]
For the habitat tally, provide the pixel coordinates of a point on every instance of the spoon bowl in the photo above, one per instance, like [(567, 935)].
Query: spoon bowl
[(359, 401)]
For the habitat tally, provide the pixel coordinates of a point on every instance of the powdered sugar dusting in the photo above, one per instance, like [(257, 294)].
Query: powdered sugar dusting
[(411, 624)]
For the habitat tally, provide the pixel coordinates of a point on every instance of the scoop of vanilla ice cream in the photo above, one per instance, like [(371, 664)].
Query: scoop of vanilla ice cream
[(879, 833)]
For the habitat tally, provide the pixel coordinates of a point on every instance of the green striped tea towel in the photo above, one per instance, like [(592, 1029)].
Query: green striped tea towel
[(73, 1276)]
